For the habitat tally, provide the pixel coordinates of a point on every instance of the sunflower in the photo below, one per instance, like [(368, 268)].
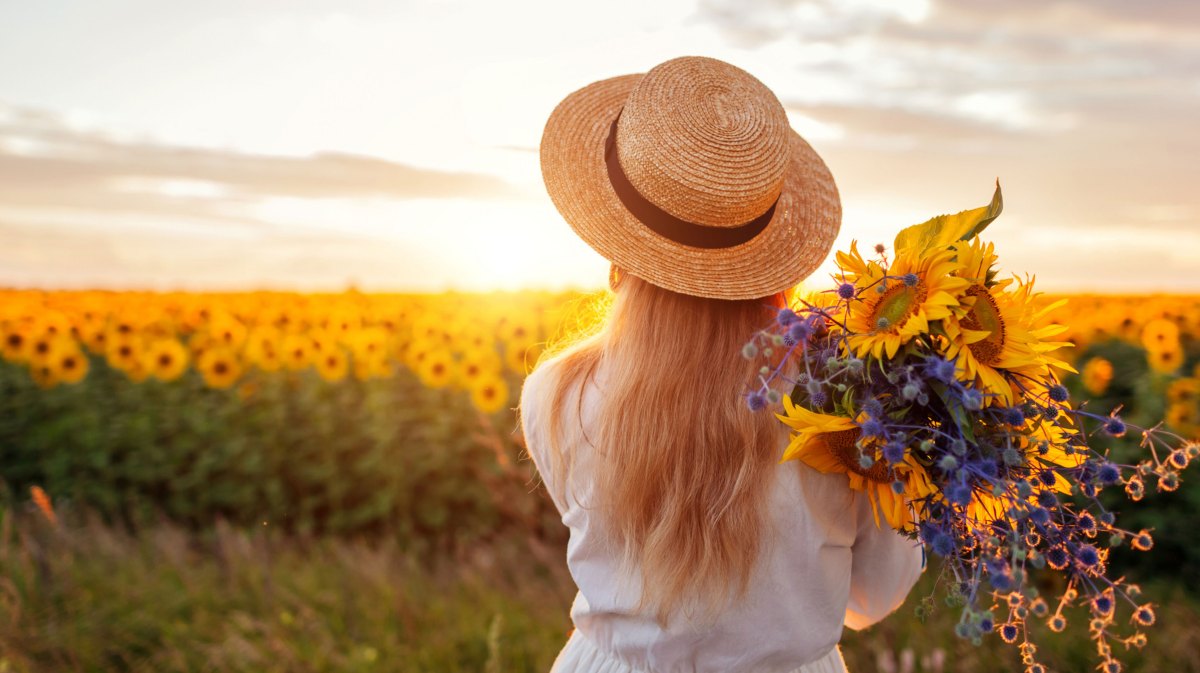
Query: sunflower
[(437, 369), (1184, 417), (1166, 361), (296, 351), (332, 364), (15, 343), (1185, 391), (45, 375), (262, 348), (220, 367), (227, 331), (475, 366), (71, 364), (1097, 374), (489, 394), (1160, 334), (895, 305), (520, 355), (829, 444), (165, 359), (368, 343), (1001, 335)]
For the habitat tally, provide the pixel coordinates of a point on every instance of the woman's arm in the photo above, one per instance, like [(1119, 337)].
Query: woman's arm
[(884, 568)]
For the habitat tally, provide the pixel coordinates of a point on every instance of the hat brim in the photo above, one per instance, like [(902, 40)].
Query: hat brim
[(807, 216)]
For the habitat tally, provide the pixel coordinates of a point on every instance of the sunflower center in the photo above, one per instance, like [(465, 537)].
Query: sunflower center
[(985, 317), (843, 445), (896, 306)]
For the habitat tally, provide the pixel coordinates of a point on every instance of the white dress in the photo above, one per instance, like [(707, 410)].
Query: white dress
[(828, 566)]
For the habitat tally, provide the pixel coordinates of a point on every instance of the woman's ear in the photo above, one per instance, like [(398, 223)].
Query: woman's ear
[(614, 277)]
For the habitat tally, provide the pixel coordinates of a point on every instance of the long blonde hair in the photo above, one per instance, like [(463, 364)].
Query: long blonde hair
[(681, 465)]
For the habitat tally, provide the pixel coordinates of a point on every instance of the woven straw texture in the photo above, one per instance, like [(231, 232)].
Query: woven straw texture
[(707, 143)]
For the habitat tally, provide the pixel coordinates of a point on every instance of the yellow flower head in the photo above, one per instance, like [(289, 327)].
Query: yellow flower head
[(896, 304), (1001, 334), (830, 444)]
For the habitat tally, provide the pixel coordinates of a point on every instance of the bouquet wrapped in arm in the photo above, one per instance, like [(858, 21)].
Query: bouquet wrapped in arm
[(932, 383)]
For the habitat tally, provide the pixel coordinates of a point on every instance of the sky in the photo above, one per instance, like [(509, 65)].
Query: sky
[(313, 145)]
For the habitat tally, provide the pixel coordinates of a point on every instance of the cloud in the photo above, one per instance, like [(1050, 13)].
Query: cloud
[(43, 158)]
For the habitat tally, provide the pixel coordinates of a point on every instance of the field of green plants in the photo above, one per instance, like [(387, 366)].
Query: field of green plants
[(329, 515)]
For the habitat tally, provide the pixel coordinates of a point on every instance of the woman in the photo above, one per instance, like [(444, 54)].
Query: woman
[(693, 547)]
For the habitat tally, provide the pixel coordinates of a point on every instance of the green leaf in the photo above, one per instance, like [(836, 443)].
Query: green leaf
[(946, 229)]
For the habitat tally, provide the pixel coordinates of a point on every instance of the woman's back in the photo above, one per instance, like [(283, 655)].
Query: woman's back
[(823, 563)]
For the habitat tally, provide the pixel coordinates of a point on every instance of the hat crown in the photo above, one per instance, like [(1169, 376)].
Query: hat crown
[(705, 141)]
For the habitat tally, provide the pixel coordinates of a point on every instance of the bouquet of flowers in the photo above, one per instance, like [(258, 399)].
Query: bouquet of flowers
[(933, 385)]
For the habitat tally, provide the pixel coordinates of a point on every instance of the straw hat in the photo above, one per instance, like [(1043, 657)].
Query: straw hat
[(689, 177)]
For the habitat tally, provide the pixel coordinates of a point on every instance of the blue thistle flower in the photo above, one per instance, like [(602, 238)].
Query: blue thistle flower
[(785, 317), (1040, 516), (1014, 416), (1047, 499), (972, 399), (1086, 522), (846, 290), (1056, 557), (1102, 605), (1108, 474), (799, 331), (756, 401), (1059, 393), (1178, 459), (939, 369), (873, 407), (872, 427), (943, 545), (910, 279), (893, 452), (819, 398), (1114, 426), (959, 494), (1087, 555)]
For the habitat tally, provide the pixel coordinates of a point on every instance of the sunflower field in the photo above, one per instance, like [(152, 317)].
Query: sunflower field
[(137, 418), (340, 413)]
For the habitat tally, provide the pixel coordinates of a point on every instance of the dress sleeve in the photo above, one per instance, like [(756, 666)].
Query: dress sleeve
[(533, 428), (885, 565)]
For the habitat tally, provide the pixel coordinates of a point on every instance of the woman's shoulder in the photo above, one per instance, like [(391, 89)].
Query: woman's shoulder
[(538, 382)]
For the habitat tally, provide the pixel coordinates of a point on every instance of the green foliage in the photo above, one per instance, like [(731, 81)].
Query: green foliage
[(85, 596), (286, 450), (88, 597), (1140, 394)]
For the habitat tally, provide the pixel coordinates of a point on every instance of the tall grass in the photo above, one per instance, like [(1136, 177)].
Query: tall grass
[(87, 596)]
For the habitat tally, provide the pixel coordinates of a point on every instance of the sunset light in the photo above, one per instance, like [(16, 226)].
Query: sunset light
[(395, 145)]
